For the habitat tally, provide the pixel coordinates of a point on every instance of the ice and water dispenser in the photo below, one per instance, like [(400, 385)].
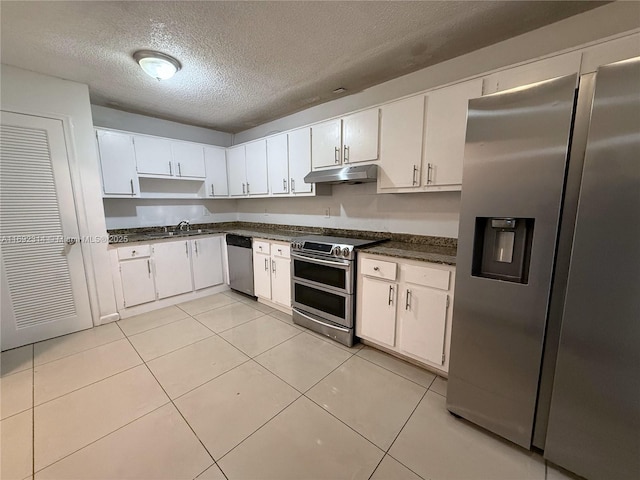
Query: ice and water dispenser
[(502, 248)]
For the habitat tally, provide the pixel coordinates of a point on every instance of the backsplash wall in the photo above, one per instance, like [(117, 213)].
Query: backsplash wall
[(358, 207)]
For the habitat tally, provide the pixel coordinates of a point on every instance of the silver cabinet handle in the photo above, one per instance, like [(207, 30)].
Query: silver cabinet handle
[(170, 171), (149, 267), (293, 185), (346, 154), (390, 294), (376, 268), (415, 178), (407, 304), (266, 264), (284, 184), (243, 192), (132, 192), (247, 188), (429, 169), (337, 154), (212, 194), (273, 266), (195, 244), (186, 248), (179, 170)]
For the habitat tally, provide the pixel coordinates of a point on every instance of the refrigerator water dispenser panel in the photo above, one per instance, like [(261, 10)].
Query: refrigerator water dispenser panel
[(502, 248)]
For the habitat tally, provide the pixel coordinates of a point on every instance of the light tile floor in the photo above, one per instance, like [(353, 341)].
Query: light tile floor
[(223, 387)]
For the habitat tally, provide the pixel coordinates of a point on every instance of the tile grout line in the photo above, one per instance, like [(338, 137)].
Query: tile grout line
[(151, 328), (402, 376), (179, 412), (79, 351)]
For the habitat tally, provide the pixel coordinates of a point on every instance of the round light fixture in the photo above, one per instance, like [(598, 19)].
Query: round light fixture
[(157, 65)]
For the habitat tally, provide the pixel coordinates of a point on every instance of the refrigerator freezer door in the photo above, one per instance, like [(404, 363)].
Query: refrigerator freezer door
[(514, 167), (594, 421)]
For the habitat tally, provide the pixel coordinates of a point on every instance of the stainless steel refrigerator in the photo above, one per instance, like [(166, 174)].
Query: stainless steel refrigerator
[(545, 347)]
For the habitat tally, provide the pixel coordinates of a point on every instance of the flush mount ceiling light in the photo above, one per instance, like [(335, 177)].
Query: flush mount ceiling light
[(157, 65)]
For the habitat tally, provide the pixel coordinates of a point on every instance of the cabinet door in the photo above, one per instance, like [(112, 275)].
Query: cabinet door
[(262, 275), (278, 164), (422, 318), (118, 163), (281, 281), (153, 155), (206, 261), (188, 159), (326, 143), (378, 314), (237, 171), (300, 160), (256, 161), (215, 160), (401, 140), (360, 136), (173, 268), (445, 132), (137, 281)]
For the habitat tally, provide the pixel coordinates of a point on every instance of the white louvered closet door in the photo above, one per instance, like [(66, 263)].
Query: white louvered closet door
[(44, 289)]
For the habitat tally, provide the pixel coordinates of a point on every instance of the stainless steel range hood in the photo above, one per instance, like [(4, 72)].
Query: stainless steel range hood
[(351, 175)]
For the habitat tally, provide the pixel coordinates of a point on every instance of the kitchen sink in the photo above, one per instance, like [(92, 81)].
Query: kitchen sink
[(185, 233)]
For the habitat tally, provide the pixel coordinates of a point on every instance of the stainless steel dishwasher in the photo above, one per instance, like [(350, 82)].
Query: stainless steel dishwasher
[(240, 256)]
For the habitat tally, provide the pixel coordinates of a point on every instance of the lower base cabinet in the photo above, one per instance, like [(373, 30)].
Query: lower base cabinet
[(404, 306), (138, 286), (173, 268), (272, 271), (206, 255)]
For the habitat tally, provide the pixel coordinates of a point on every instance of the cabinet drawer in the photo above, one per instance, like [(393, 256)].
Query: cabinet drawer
[(379, 269), (279, 250), (134, 251), (260, 246), (429, 277)]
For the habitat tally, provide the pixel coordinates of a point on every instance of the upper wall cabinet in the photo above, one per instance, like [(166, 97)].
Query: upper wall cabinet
[(160, 156), (300, 161), (278, 164), (215, 162), (237, 169), (256, 159), (117, 164), (533, 72), (422, 140), (351, 139)]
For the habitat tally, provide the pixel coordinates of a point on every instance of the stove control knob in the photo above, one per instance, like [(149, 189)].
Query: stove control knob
[(346, 252), (335, 251)]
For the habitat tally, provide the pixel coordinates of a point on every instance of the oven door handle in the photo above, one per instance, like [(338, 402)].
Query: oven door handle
[(334, 326), (344, 265)]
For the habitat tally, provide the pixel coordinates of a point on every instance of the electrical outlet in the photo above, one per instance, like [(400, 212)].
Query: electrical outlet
[(327, 212)]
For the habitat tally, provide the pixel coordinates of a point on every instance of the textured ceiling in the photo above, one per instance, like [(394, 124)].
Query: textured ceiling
[(245, 63)]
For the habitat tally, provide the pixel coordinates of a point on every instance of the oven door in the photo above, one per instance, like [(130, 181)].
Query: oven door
[(331, 305), (324, 272)]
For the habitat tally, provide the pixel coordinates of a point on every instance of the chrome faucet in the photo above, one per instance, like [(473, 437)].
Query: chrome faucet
[(182, 224)]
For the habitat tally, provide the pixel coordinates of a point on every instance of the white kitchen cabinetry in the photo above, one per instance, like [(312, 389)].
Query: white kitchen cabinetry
[(136, 275), (558, 66), (206, 255), (272, 272), (422, 140), (153, 155), (278, 164), (237, 169), (409, 312), (299, 160), (401, 143), (445, 134), (172, 268), (188, 159), (351, 139), (117, 163), (215, 161), (256, 167)]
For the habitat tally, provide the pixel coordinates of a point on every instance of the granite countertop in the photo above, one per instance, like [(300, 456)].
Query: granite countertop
[(415, 251), (414, 247)]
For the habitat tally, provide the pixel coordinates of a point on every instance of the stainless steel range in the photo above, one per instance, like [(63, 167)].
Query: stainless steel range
[(323, 284)]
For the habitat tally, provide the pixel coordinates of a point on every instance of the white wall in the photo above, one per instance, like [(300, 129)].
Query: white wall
[(358, 207), (606, 21), (131, 122), (32, 93), (129, 213)]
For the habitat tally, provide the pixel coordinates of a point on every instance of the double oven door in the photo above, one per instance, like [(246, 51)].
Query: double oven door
[(323, 286)]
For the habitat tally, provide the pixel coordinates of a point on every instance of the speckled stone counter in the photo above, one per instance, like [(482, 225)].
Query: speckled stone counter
[(399, 245), (415, 251)]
